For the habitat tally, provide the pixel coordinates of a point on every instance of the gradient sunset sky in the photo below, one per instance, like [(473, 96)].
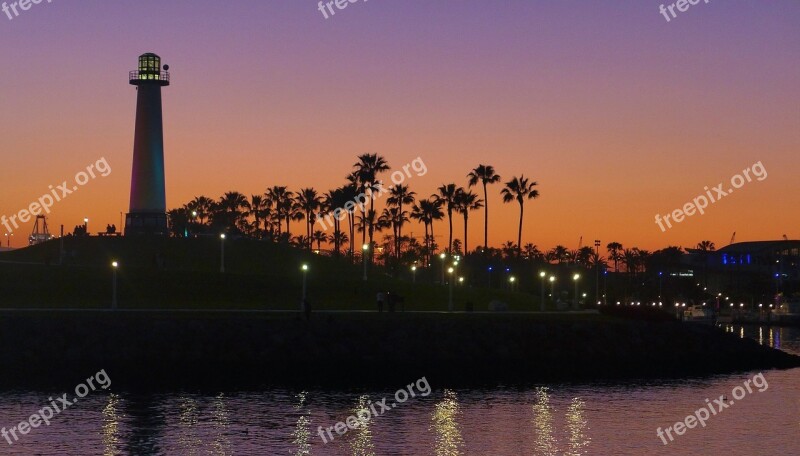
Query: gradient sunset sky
[(615, 112)]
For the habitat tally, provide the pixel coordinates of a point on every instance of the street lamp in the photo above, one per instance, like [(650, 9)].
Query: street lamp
[(443, 257), (575, 279), (552, 287), (597, 270), (222, 251), (414, 274), (542, 275), (511, 280), (304, 268), (660, 274), (364, 251), (450, 299), (114, 266)]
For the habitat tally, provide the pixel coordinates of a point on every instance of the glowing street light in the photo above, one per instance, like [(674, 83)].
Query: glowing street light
[(553, 288), (114, 266), (542, 275), (304, 268), (443, 257), (364, 252), (575, 278), (450, 299), (511, 280), (222, 253), (413, 274)]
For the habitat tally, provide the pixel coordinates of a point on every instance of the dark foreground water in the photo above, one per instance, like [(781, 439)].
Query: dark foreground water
[(557, 419)]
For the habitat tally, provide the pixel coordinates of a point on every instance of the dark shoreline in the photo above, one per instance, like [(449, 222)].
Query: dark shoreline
[(234, 350)]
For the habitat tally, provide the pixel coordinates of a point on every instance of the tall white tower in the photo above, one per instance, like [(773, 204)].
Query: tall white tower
[(148, 207)]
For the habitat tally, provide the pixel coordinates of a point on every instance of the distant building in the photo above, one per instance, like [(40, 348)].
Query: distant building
[(756, 268)]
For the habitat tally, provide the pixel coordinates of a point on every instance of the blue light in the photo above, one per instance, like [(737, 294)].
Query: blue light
[(490, 269), (508, 269)]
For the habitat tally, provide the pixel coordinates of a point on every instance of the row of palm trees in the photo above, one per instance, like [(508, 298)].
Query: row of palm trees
[(269, 215)]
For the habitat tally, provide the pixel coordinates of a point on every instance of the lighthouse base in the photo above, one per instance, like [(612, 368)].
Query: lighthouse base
[(146, 224)]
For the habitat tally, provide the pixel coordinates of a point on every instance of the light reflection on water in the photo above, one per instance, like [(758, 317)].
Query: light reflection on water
[(543, 424), (449, 441), (573, 420)]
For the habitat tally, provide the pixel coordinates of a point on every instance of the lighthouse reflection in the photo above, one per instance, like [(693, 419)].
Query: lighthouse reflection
[(449, 441)]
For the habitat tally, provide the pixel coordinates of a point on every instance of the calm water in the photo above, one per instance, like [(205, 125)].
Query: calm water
[(587, 419)]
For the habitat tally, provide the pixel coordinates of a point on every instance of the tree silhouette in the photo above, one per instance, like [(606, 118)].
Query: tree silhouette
[(519, 189), (486, 175)]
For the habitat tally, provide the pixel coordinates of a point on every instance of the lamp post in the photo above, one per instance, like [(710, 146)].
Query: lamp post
[(450, 299), (542, 275), (114, 266), (553, 288), (597, 270), (443, 257), (511, 281), (660, 274), (304, 268), (575, 278), (222, 251), (413, 274), (364, 251)]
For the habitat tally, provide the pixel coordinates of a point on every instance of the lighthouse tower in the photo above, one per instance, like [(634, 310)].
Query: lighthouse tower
[(148, 208)]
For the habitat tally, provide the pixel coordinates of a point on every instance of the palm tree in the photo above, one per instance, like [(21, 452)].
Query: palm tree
[(486, 175), (631, 259), (350, 193), (584, 255), (467, 201), (367, 169), (308, 201), (203, 206), (319, 237), (400, 195), (447, 197), (283, 200), (615, 253), (519, 189), (706, 246), (260, 207), (559, 254), (532, 252), (426, 211), (231, 210)]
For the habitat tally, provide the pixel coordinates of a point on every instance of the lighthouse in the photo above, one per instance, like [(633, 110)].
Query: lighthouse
[(148, 204)]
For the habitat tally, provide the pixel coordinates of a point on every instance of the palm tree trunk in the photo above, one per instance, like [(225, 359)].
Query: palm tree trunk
[(450, 239), (519, 235), (485, 218), (466, 245)]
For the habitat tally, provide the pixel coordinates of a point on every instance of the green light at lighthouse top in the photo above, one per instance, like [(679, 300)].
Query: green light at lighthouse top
[(150, 71)]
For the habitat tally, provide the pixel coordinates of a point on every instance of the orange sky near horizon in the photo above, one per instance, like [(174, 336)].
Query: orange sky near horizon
[(619, 117)]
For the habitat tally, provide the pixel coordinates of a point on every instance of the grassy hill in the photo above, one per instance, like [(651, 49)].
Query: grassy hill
[(184, 273)]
